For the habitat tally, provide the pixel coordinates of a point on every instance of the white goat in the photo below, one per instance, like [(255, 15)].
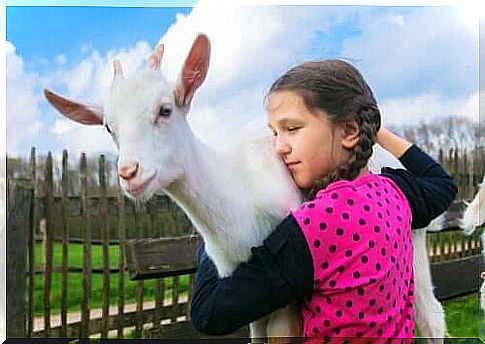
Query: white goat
[(235, 199)]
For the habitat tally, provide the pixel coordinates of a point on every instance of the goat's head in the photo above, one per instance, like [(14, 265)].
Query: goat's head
[(146, 117)]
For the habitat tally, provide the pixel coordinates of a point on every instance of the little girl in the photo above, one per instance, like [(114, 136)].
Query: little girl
[(347, 252)]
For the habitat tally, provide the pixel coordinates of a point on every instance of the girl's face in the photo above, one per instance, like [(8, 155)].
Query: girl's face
[(307, 142)]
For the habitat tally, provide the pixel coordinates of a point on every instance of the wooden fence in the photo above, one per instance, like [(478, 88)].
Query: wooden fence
[(43, 226)]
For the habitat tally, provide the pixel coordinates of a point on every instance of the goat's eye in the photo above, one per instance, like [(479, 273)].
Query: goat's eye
[(165, 111), (108, 128)]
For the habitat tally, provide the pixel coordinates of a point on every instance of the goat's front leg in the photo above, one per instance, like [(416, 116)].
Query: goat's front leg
[(257, 329), (284, 324), (430, 316)]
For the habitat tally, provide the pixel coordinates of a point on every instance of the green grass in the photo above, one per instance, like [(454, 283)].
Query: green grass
[(463, 318), (96, 298)]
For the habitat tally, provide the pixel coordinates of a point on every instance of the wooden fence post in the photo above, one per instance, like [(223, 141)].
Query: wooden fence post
[(19, 203)]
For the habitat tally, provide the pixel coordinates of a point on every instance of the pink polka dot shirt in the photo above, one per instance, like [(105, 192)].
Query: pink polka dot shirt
[(359, 234)]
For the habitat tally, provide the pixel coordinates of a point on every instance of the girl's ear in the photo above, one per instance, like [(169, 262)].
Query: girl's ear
[(350, 133)]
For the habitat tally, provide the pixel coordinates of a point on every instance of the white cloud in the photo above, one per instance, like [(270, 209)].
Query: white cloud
[(417, 51), (77, 138), (23, 113), (251, 46), (426, 108), (63, 126)]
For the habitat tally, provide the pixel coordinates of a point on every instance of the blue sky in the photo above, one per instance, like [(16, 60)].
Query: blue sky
[(45, 32), (422, 62)]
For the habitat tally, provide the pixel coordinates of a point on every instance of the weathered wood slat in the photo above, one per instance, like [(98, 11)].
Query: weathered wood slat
[(191, 285), (74, 240), (160, 285), (140, 287), (31, 254), (175, 294), (18, 204), (48, 258), (121, 275), (164, 257), (75, 269), (103, 211), (65, 242), (86, 229)]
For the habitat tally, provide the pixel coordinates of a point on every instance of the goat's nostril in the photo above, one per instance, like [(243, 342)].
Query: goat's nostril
[(128, 172)]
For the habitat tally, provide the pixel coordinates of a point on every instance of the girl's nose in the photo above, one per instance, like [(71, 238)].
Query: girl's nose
[(281, 147)]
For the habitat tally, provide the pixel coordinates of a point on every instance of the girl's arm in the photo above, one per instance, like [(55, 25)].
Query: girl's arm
[(426, 185), (394, 144), (279, 271)]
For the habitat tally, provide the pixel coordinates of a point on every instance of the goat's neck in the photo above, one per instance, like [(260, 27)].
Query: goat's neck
[(203, 194)]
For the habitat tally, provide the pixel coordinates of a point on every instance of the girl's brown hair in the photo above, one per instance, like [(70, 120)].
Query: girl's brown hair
[(339, 89)]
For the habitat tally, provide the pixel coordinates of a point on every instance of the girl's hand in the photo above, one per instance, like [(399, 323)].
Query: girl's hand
[(394, 144)]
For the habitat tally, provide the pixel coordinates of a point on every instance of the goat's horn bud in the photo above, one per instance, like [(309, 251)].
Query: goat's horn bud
[(156, 58), (118, 70)]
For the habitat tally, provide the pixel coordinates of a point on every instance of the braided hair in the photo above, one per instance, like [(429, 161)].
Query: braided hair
[(339, 89)]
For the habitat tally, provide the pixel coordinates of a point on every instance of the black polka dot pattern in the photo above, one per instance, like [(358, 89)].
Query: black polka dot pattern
[(360, 239)]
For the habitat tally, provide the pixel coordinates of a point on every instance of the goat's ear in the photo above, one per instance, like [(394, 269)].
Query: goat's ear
[(81, 113), (193, 72)]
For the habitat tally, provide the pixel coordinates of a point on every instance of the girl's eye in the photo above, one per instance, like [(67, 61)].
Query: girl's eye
[(293, 128), (165, 111)]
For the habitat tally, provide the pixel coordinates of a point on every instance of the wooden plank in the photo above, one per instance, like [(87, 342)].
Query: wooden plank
[(164, 257), (31, 255), (159, 284), (74, 240), (76, 269), (140, 284), (175, 294), (48, 254), (121, 275), (103, 214), (65, 242), (19, 203), (457, 277), (189, 296), (86, 230)]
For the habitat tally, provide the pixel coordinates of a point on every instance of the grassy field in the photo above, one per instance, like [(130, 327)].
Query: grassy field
[(75, 281), (462, 314)]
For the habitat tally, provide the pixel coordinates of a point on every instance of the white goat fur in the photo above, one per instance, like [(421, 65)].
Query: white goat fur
[(473, 218), (234, 198)]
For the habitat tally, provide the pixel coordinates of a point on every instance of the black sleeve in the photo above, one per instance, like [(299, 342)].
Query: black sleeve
[(427, 187), (279, 271)]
